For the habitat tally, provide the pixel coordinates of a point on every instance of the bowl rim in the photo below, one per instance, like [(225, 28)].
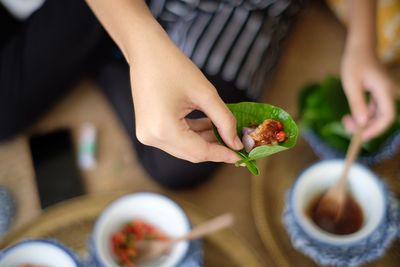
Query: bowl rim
[(310, 235), (326, 151), (46, 241), (94, 247)]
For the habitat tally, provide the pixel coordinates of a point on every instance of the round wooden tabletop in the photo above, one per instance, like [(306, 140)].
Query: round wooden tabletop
[(71, 222), (268, 196)]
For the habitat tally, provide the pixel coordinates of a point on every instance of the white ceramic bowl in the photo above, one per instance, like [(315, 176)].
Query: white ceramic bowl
[(364, 186), (155, 209), (38, 252), (379, 210)]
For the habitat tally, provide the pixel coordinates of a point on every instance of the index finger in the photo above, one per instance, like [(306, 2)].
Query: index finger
[(357, 102), (380, 121), (382, 98), (194, 148), (213, 106)]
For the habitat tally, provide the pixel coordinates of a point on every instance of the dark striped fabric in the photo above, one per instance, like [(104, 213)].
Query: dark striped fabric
[(236, 39)]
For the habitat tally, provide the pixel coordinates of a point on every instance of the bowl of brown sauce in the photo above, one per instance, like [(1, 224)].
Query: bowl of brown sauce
[(368, 224)]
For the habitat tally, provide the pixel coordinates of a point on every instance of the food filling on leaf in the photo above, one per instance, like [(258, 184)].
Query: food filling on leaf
[(270, 132)]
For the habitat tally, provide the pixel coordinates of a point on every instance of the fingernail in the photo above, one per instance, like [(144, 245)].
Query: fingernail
[(238, 144)]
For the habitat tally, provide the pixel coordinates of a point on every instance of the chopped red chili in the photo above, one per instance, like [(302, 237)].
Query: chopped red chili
[(124, 241), (270, 132)]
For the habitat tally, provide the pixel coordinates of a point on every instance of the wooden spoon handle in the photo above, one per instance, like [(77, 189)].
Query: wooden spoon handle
[(352, 153), (208, 227)]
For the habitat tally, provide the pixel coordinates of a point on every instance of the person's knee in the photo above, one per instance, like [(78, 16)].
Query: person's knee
[(175, 173)]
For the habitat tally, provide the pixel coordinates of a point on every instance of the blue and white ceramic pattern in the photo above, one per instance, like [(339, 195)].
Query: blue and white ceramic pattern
[(7, 210), (367, 244), (325, 151), (43, 252), (193, 257)]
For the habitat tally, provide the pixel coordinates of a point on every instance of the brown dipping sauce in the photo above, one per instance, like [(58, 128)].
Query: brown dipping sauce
[(350, 221)]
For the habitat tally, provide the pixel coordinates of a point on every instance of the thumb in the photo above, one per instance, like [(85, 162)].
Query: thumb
[(222, 117), (357, 102)]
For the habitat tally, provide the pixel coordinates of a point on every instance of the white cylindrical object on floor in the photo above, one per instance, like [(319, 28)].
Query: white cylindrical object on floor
[(87, 146)]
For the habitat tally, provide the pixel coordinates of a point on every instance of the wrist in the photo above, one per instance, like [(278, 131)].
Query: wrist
[(362, 27), (143, 39), (361, 49)]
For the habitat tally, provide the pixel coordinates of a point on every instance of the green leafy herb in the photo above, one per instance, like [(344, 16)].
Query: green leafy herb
[(321, 108), (251, 113), (129, 240)]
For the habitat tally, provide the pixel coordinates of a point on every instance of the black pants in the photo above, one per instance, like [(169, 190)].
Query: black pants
[(62, 42)]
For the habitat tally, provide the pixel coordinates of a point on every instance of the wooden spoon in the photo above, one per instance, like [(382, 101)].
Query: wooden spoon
[(151, 249), (332, 203)]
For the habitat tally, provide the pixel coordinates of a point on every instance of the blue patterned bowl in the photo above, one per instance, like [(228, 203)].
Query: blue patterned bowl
[(43, 252), (7, 210), (380, 210), (325, 151), (193, 257), (155, 209)]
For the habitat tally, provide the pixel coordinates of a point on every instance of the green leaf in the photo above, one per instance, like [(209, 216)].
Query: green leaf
[(322, 107), (250, 164), (263, 151), (249, 113), (252, 167)]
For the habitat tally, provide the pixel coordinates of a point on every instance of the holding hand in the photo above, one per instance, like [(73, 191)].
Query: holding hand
[(166, 87), (362, 72)]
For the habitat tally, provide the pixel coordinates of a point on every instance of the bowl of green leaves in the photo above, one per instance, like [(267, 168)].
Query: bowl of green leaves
[(264, 129), (321, 108)]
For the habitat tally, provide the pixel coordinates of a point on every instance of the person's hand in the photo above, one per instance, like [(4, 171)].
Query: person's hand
[(361, 72), (166, 87)]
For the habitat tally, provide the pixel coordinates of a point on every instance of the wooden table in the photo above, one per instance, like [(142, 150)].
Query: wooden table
[(71, 222)]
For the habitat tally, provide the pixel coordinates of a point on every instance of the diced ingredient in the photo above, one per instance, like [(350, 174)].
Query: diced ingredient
[(248, 130), (270, 132), (281, 136), (124, 241), (248, 142)]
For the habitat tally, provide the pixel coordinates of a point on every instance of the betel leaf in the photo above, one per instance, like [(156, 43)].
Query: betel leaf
[(251, 113), (250, 164)]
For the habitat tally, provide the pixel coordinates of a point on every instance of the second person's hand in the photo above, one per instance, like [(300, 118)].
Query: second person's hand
[(362, 72)]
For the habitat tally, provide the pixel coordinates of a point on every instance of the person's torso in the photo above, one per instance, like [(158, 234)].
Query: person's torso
[(236, 39)]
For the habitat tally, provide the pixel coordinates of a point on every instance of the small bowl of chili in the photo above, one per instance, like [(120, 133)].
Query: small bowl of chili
[(136, 217)]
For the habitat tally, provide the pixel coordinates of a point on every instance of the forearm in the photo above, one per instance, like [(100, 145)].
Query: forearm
[(130, 24), (165, 79), (362, 25)]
